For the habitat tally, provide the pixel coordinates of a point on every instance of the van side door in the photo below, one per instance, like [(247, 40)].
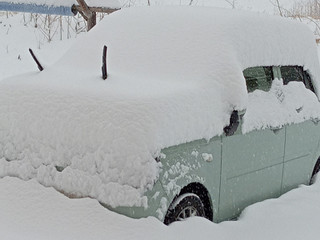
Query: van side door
[(252, 162), (302, 139)]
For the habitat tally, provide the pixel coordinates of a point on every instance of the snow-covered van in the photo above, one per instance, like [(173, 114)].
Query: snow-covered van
[(204, 112)]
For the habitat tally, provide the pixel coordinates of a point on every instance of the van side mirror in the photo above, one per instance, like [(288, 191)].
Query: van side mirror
[(234, 122)]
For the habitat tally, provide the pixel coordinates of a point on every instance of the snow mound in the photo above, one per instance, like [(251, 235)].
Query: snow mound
[(175, 75), (29, 211)]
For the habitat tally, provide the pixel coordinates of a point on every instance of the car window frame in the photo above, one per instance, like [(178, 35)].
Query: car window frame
[(306, 78), (276, 74), (267, 83)]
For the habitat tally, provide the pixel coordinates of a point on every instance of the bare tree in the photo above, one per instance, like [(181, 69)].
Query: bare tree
[(232, 3), (277, 3), (303, 10), (283, 12), (128, 3)]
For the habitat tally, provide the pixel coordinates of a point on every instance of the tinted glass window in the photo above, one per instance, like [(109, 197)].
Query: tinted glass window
[(258, 78), (291, 73), (296, 73)]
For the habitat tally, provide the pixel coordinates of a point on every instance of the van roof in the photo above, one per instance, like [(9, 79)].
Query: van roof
[(197, 44)]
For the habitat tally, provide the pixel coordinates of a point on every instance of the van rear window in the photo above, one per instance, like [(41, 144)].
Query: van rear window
[(297, 74)]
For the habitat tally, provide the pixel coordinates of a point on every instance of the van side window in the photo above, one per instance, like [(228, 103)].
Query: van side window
[(258, 78), (296, 73)]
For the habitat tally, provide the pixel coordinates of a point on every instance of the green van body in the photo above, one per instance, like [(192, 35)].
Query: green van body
[(231, 172)]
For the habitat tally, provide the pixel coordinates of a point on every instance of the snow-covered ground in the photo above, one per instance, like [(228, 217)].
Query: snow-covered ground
[(16, 37), (30, 211)]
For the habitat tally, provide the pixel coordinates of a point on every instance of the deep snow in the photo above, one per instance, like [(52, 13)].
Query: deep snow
[(30, 211), (166, 87), (18, 34)]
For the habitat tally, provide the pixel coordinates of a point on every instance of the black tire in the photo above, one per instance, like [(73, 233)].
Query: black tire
[(185, 206), (315, 172)]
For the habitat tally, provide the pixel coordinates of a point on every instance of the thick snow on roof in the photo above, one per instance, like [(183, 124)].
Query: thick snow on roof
[(192, 43), (175, 75)]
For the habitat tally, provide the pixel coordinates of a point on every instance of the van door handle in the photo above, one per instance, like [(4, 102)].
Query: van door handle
[(276, 130), (315, 121)]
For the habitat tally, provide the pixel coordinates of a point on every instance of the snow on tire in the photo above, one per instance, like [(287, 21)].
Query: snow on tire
[(185, 206)]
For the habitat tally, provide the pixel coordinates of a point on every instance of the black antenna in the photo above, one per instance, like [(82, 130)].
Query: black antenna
[(104, 63), (36, 60)]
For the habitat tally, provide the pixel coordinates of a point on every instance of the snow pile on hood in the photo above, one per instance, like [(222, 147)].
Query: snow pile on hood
[(92, 3), (175, 75)]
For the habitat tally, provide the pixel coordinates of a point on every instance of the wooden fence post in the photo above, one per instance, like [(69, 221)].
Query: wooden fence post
[(88, 15), (104, 63), (36, 60)]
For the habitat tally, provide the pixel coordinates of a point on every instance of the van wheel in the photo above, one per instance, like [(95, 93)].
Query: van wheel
[(315, 171), (185, 206)]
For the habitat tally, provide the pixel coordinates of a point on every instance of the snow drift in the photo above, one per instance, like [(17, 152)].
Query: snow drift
[(175, 75)]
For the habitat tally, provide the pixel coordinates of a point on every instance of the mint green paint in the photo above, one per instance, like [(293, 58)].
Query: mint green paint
[(236, 170), (184, 164), (251, 169), (276, 72), (245, 168), (154, 196), (301, 153)]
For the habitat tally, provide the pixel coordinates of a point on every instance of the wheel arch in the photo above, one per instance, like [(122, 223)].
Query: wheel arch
[(315, 170), (201, 191)]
